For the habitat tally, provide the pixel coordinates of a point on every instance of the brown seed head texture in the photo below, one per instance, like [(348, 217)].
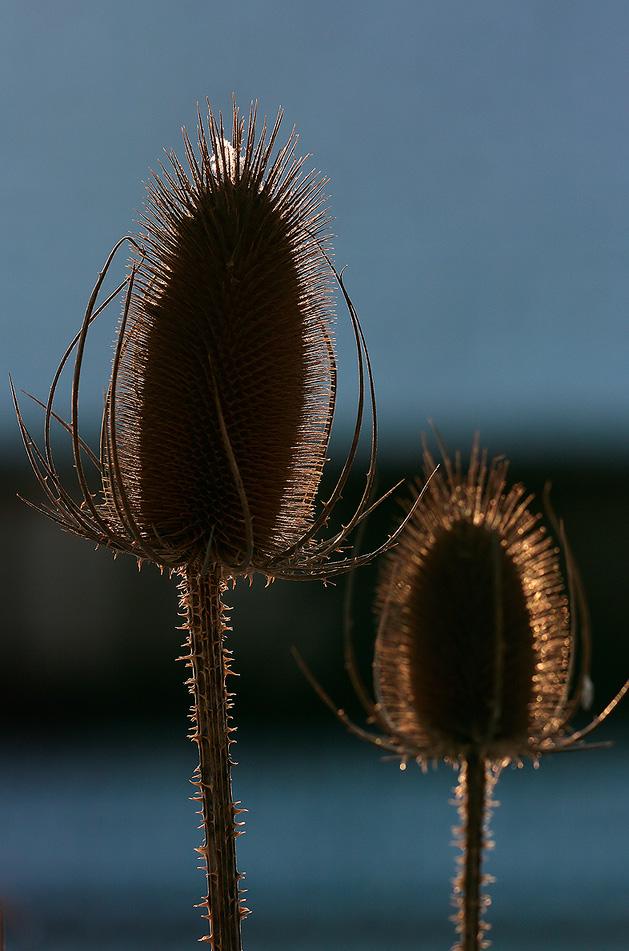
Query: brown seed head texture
[(481, 648), (473, 647), (218, 413), (225, 384)]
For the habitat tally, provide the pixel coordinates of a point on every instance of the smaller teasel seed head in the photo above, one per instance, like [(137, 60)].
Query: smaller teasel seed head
[(476, 644), (481, 648)]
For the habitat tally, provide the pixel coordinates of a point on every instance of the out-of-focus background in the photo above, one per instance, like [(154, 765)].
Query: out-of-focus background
[(477, 155)]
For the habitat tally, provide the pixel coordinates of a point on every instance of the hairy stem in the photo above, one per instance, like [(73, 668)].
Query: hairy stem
[(473, 795), (209, 662)]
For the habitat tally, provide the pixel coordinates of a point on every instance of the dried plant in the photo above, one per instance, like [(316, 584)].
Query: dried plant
[(481, 656), (217, 418)]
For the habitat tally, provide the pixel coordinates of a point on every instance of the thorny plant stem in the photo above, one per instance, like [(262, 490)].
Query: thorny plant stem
[(209, 662), (474, 787)]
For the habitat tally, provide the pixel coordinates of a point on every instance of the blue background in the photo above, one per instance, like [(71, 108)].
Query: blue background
[(477, 155), (478, 163)]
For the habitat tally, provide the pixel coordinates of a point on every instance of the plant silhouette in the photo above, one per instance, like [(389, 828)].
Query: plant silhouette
[(217, 419), (482, 654)]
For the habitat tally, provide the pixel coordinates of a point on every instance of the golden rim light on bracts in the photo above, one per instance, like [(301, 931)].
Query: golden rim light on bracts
[(481, 656), (218, 414), (479, 644)]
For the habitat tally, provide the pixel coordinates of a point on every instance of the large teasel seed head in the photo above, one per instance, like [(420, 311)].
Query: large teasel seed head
[(220, 404), (473, 649), (224, 383)]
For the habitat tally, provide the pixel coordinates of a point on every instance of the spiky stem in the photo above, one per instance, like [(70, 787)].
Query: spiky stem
[(209, 662), (476, 782)]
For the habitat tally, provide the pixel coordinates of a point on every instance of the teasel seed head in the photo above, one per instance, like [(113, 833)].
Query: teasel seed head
[(225, 383), (219, 409), (481, 646), (474, 641)]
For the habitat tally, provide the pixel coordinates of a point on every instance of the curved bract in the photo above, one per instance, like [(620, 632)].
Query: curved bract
[(219, 409)]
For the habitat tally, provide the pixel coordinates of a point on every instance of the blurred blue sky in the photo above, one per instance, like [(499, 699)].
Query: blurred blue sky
[(479, 179)]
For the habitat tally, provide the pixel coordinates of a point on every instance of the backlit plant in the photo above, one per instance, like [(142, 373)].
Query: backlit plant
[(217, 418), (482, 656)]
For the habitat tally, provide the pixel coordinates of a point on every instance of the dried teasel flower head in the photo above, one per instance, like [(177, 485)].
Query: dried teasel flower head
[(478, 638), (480, 647), (219, 409), (474, 643)]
